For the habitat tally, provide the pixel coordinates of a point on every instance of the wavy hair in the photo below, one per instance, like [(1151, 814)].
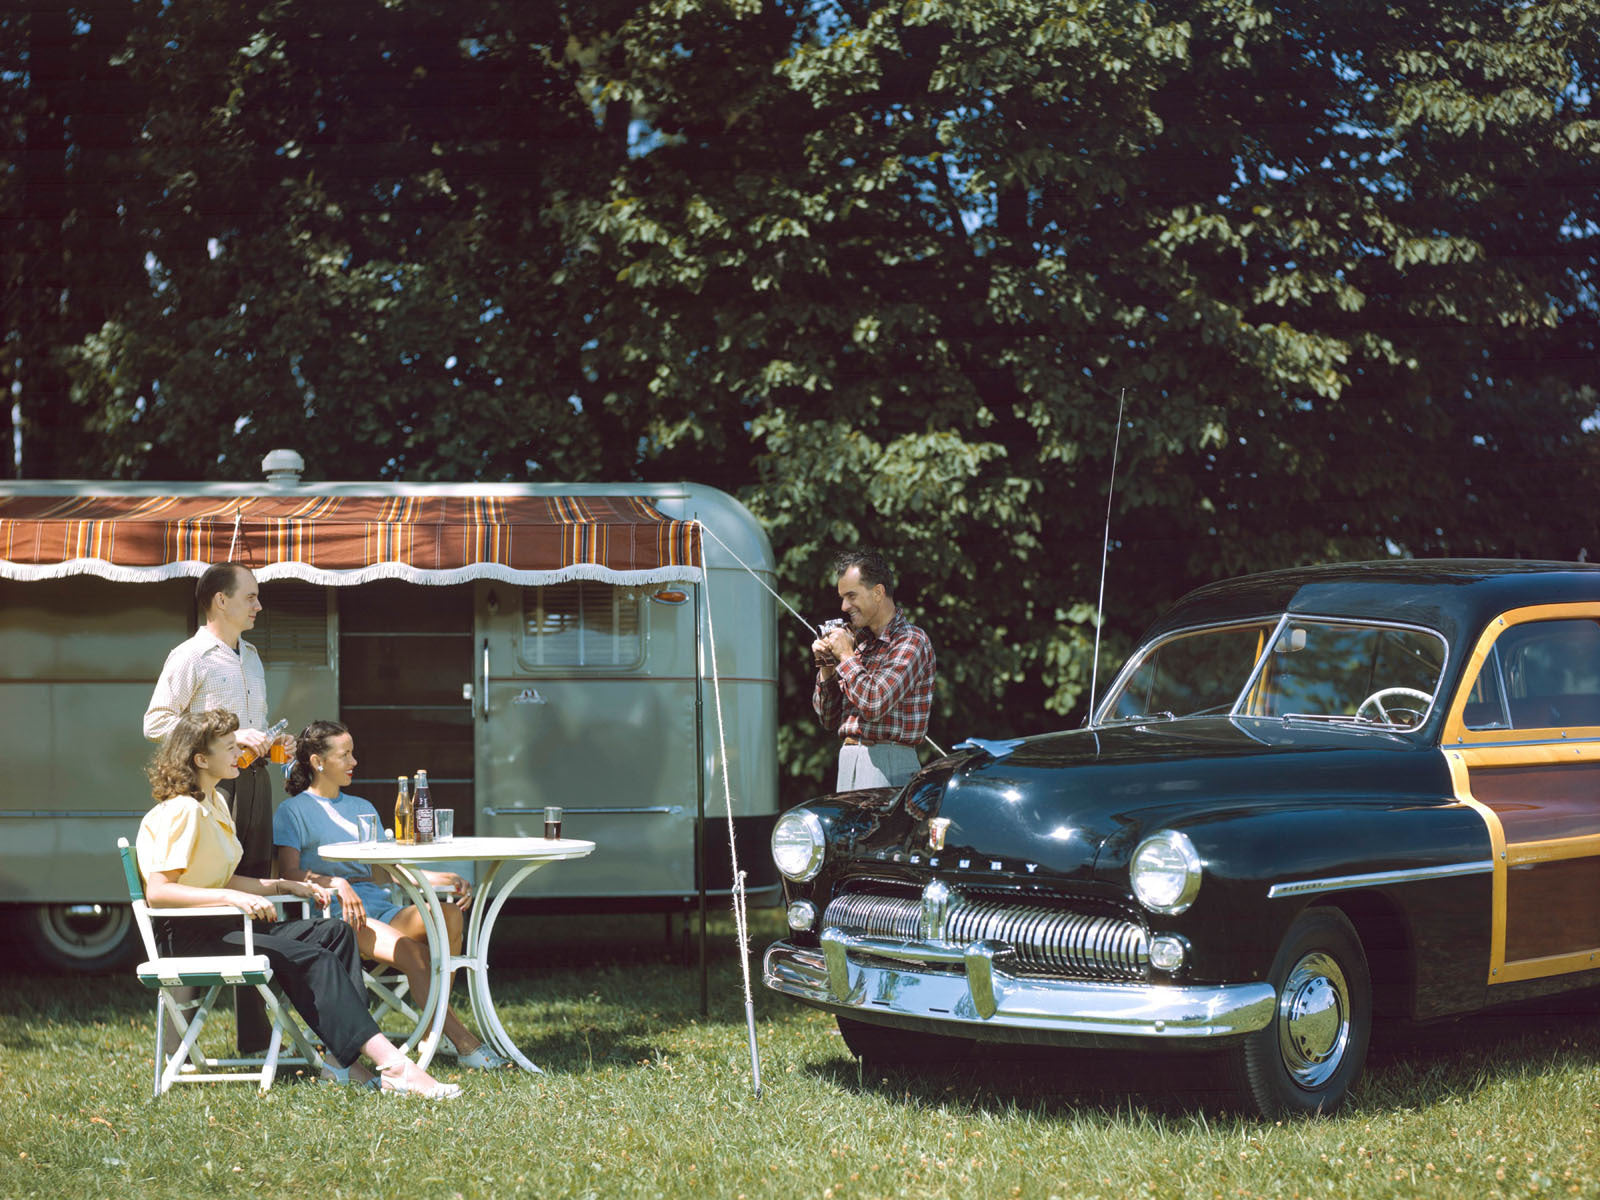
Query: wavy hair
[(172, 771), (314, 739)]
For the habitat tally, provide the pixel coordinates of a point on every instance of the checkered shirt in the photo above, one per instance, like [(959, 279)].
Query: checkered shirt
[(203, 673), (884, 691)]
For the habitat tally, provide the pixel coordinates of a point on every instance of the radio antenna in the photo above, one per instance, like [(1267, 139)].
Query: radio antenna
[(1105, 555)]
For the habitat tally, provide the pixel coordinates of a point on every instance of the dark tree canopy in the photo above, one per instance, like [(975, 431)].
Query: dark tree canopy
[(883, 271)]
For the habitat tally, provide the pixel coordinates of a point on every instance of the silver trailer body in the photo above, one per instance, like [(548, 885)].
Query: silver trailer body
[(591, 695)]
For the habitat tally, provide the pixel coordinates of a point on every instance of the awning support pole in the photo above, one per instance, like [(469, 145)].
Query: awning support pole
[(700, 800), (740, 906)]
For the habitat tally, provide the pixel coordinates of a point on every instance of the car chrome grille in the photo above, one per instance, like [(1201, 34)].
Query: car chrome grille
[(1053, 939), (1044, 938), (878, 916)]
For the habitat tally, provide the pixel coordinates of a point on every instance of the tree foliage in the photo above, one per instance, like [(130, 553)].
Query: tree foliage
[(886, 271)]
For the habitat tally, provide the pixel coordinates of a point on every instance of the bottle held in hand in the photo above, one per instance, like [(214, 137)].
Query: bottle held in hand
[(281, 750), (405, 824), (248, 756), (422, 805)]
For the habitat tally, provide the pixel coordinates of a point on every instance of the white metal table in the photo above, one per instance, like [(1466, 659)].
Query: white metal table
[(504, 862)]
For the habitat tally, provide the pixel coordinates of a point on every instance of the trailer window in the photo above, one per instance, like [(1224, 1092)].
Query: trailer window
[(293, 624), (581, 623)]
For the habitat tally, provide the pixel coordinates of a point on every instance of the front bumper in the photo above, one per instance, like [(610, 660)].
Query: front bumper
[(968, 986)]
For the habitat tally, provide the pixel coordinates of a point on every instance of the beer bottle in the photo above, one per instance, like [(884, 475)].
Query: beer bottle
[(423, 807), (405, 822)]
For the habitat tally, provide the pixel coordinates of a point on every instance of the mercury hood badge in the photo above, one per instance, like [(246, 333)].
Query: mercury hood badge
[(936, 831)]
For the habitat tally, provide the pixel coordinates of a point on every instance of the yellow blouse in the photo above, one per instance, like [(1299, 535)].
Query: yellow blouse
[(190, 836)]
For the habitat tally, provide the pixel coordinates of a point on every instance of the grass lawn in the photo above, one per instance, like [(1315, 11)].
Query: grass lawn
[(645, 1098)]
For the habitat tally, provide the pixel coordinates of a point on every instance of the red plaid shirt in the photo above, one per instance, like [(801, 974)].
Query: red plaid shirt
[(884, 691)]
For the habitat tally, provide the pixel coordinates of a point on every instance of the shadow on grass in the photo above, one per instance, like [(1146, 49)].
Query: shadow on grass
[(1045, 1081), (578, 992), (594, 993), (38, 1006), (1408, 1066)]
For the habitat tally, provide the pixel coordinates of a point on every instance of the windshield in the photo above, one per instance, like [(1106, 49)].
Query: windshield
[(1314, 669)]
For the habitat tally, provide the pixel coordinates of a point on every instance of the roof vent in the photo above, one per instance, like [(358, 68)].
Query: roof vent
[(283, 467)]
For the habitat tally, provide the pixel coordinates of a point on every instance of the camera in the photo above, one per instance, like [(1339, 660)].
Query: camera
[(822, 656)]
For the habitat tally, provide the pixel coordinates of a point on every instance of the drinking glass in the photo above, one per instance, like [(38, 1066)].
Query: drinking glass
[(552, 823), (444, 824), (367, 823)]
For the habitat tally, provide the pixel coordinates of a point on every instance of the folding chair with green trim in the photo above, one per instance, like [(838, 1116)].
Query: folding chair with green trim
[(388, 994), (188, 1063)]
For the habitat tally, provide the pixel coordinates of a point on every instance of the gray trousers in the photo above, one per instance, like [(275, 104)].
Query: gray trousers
[(887, 764)]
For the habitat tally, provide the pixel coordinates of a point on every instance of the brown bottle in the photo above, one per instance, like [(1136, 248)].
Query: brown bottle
[(422, 809), (405, 819)]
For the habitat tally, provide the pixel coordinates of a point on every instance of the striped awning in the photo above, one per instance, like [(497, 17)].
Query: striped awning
[(343, 540)]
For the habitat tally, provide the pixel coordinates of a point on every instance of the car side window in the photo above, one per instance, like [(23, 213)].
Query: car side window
[(1538, 675)]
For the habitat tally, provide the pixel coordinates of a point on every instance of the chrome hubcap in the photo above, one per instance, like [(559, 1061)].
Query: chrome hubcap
[(85, 930), (1314, 1020)]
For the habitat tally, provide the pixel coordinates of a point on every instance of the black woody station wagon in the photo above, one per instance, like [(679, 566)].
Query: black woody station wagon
[(1310, 796)]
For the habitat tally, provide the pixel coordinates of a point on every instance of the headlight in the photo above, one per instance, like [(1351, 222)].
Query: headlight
[(1166, 952), (802, 915), (1165, 872), (797, 844)]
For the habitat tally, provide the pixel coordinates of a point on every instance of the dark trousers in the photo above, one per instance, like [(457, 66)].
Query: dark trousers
[(315, 961), (250, 801)]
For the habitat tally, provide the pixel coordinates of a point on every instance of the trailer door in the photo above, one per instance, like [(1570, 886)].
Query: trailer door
[(405, 670), (585, 698)]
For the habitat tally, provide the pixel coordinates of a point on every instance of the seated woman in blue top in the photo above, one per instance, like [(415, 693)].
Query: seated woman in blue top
[(319, 811), (188, 855)]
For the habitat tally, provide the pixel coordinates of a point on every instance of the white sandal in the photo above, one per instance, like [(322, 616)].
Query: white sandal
[(403, 1087)]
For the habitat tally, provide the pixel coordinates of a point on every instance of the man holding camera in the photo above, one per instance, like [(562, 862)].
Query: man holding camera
[(874, 678)]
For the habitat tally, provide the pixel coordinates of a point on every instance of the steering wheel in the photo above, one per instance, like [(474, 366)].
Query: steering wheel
[(1378, 697)]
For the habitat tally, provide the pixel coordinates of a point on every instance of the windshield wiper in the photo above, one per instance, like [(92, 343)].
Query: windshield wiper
[(1139, 718)]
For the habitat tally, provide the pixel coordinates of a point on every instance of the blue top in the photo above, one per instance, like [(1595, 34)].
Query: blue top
[(306, 821)]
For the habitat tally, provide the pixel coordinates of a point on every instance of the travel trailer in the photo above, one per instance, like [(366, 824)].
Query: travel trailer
[(527, 645)]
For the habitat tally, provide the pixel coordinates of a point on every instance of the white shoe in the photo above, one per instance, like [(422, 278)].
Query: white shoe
[(401, 1086)]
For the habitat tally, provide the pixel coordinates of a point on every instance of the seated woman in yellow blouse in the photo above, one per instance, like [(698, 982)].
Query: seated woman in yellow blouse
[(188, 853)]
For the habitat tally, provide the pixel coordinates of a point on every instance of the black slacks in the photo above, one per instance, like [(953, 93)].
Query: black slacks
[(250, 801), (315, 961)]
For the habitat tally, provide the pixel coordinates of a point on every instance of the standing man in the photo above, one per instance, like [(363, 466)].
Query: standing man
[(874, 679), (217, 668)]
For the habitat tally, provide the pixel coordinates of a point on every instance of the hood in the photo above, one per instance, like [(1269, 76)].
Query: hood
[(1075, 804)]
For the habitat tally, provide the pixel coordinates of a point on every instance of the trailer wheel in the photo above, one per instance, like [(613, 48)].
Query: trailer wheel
[(82, 937)]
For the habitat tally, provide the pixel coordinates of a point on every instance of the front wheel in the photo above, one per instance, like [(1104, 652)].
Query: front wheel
[(1306, 1059)]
